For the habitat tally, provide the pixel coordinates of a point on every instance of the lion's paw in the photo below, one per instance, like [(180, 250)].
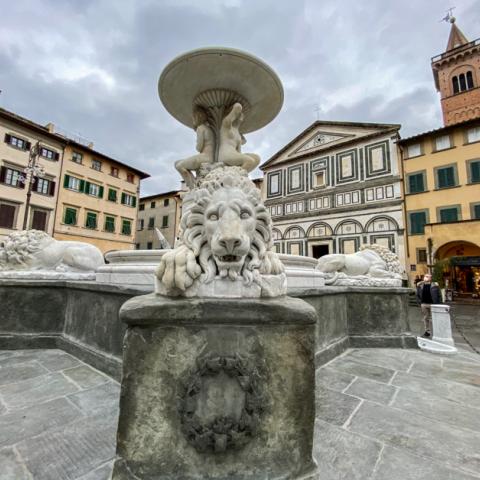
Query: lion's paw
[(178, 268)]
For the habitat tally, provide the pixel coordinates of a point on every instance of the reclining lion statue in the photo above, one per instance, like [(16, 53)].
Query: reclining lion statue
[(226, 232), (35, 250), (372, 265)]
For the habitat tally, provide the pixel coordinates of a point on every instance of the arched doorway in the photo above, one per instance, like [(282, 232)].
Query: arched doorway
[(460, 263)]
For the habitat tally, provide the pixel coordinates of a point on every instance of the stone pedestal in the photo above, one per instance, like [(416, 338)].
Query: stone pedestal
[(441, 324), (216, 389)]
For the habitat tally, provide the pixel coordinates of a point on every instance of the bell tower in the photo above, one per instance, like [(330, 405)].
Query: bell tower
[(457, 77)]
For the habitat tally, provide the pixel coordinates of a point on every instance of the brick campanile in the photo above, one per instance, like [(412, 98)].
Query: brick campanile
[(457, 77)]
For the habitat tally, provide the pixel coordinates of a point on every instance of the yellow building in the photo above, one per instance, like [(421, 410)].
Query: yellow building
[(442, 202), (97, 200), (442, 175)]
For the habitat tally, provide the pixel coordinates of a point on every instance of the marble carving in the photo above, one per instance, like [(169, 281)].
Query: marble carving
[(225, 234), (34, 254), (372, 266)]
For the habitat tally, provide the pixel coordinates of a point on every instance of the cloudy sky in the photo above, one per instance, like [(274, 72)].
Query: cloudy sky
[(91, 66)]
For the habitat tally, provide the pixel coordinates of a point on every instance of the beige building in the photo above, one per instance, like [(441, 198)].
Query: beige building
[(18, 137), (82, 194), (161, 211)]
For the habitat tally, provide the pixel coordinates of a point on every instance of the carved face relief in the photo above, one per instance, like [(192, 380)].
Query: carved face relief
[(229, 227)]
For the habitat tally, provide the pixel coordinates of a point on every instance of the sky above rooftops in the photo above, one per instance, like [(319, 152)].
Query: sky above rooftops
[(91, 67)]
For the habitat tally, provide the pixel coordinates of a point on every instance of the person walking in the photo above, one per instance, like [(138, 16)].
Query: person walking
[(428, 293)]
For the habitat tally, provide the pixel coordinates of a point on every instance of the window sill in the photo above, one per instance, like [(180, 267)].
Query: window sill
[(473, 183), (417, 234), (446, 188), (416, 156), (17, 148), (12, 186), (42, 194), (471, 143), (417, 193), (96, 169), (108, 231), (443, 149), (78, 163), (91, 228), (69, 224)]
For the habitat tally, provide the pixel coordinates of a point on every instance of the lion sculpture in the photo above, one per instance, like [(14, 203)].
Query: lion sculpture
[(372, 265), (34, 250), (226, 232)]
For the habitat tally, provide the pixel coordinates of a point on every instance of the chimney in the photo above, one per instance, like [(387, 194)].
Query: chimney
[(50, 127)]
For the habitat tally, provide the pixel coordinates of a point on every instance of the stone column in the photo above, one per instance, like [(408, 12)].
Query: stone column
[(217, 389), (441, 325)]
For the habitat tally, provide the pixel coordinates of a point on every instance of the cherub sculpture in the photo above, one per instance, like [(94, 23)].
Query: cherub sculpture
[(231, 140), (205, 148)]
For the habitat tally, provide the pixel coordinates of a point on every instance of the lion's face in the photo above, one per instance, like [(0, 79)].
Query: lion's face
[(230, 222)]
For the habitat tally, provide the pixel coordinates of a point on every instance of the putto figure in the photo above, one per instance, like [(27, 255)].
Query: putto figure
[(231, 141), (205, 148)]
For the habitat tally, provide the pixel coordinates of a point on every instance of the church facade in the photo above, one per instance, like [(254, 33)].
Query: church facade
[(334, 187)]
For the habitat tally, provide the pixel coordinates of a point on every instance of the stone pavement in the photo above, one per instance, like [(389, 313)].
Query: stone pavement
[(381, 414)]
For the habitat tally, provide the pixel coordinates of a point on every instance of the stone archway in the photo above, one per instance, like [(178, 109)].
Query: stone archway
[(457, 248)]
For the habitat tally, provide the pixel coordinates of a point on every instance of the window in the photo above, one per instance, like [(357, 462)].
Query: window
[(73, 183), (455, 86), (274, 183), (12, 177), (473, 135), (416, 183), (319, 179), (94, 189), (418, 221), (130, 177), (476, 211), (77, 157), (414, 150), (469, 80), (39, 220), (141, 224), (17, 142), (448, 215), (129, 200), (91, 220), (141, 208), (114, 171), (421, 255), (152, 205), (165, 221), (47, 153), (149, 245), (442, 143), (461, 79), (46, 187), (109, 224), (126, 227), (295, 178), (166, 202), (97, 165), (137, 246), (7, 215), (70, 216), (445, 177), (474, 171), (151, 223), (112, 195)]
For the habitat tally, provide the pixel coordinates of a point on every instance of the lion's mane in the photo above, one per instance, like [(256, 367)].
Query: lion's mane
[(20, 247), (390, 258), (260, 258)]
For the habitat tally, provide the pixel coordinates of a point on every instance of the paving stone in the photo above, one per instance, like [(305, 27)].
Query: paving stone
[(387, 358), (469, 357), (465, 394), (56, 360), (447, 374), (18, 373), (102, 473), (371, 390), (70, 452), (361, 369), (85, 376), (334, 407), (36, 390), (333, 379), (96, 399), (11, 468), (445, 411), (396, 464), (342, 455), (419, 435), (464, 366), (31, 421)]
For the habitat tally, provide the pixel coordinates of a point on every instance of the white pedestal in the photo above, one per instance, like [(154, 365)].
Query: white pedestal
[(442, 340)]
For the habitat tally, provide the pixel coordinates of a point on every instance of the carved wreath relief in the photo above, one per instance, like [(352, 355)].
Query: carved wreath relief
[(221, 405)]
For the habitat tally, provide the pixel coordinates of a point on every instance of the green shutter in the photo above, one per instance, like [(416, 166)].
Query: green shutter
[(475, 170), (70, 216), (112, 195), (91, 221), (417, 222), (448, 215), (82, 186), (87, 188), (415, 183), (100, 192), (134, 202), (66, 181), (126, 227), (109, 224), (476, 212), (446, 177), (123, 198)]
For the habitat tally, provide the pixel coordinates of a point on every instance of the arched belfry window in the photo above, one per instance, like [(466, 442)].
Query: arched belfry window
[(469, 80), (463, 85), (455, 84)]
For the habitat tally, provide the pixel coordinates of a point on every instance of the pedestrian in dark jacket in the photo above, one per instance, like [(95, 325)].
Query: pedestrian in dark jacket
[(428, 293)]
